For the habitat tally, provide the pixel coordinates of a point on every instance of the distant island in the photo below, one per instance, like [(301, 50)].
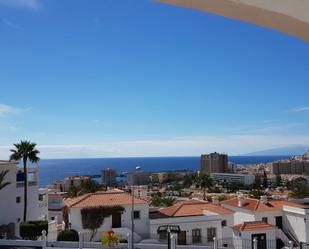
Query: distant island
[(282, 151)]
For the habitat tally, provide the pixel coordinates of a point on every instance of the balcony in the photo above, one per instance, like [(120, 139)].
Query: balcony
[(32, 177)]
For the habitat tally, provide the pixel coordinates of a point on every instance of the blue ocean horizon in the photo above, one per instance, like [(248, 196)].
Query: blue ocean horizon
[(51, 170)]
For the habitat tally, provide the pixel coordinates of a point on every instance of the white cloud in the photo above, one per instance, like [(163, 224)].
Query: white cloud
[(181, 146), (30, 4), (299, 109), (279, 127), (6, 110), (11, 24)]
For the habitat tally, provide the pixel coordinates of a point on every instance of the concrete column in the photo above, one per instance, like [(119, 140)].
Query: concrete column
[(80, 242), (255, 243), (44, 239), (173, 241), (129, 238), (215, 243)]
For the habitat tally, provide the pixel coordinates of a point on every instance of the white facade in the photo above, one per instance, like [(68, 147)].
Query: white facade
[(141, 224), (188, 224), (12, 202), (294, 220), (246, 179)]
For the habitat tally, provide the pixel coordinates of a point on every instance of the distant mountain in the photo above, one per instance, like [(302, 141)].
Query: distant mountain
[(283, 151)]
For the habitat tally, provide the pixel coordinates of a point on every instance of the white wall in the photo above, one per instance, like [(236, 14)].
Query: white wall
[(271, 216), (141, 225), (11, 211), (296, 221), (188, 224), (8, 206)]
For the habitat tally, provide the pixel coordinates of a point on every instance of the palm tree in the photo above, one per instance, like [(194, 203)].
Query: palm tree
[(203, 181), (25, 150), (3, 184)]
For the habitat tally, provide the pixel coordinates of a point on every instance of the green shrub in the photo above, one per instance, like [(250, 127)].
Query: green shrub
[(68, 235), (32, 229)]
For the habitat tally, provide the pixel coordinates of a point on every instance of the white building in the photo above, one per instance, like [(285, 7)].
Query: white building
[(12, 202), (259, 230), (74, 181), (118, 222), (289, 218), (141, 191), (199, 222), (245, 179)]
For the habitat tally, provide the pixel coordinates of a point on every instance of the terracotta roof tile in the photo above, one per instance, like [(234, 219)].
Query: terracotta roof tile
[(193, 208), (252, 226), (257, 206), (99, 199)]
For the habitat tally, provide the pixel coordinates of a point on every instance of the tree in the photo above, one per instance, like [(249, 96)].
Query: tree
[(25, 151), (158, 201), (88, 186), (168, 201), (265, 182), (258, 182), (278, 181), (293, 183), (187, 181), (256, 193), (204, 182), (3, 183), (300, 190), (93, 218)]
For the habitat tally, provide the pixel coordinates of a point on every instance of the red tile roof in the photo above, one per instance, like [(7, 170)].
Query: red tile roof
[(257, 206), (107, 198), (7, 162), (253, 226), (193, 208)]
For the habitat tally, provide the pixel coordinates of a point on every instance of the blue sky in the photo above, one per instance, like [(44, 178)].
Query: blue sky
[(139, 78)]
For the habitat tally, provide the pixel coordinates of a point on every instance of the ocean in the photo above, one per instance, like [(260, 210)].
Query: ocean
[(54, 169)]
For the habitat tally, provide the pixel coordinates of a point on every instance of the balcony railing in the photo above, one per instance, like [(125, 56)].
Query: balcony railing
[(30, 183)]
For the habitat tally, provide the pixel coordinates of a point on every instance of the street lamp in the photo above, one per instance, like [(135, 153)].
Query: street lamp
[(132, 208), (168, 229)]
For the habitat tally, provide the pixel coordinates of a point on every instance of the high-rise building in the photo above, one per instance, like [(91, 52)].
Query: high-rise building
[(293, 166), (138, 178), (109, 177), (214, 163)]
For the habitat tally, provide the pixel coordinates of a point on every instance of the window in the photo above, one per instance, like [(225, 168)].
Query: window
[(196, 236), (18, 199), (265, 219), (137, 215), (211, 233), (163, 235), (41, 197), (223, 223)]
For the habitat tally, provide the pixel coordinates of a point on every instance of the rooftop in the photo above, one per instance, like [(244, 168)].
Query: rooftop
[(253, 226), (107, 198), (7, 162), (258, 206), (191, 208)]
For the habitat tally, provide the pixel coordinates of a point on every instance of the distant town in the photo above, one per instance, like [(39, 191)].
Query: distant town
[(222, 203)]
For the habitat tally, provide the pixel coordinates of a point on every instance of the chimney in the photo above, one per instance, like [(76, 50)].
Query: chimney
[(215, 200), (263, 199), (241, 200)]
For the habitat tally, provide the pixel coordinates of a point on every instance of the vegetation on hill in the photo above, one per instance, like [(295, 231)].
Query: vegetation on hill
[(88, 186), (158, 201), (204, 182)]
